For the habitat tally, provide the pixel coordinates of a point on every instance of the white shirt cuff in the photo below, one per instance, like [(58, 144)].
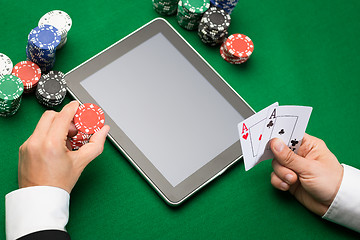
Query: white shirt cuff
[(35, 209), (345, 209)]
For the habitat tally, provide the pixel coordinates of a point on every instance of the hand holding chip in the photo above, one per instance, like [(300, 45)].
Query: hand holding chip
[(313, 175), (45, 160)]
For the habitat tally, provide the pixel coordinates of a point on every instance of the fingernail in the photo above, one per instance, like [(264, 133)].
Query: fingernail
[(278, 145), (289, 177), (284, 186)]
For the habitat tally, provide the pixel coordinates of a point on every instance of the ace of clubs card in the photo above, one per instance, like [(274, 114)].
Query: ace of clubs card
[(287, 123)]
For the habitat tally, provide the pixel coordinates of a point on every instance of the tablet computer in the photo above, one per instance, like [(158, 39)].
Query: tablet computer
[(171, 114)]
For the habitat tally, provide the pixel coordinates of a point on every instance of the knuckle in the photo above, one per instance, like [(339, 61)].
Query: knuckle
[(322, 143), (22, 148), (49, 144), (273, 180), (31, 145)]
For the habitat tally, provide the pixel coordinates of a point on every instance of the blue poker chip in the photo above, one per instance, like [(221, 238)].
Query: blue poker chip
[(226, 5), (45, 37), (41, 47)]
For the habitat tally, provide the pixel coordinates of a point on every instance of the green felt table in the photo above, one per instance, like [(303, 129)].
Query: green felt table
[(306, 53)]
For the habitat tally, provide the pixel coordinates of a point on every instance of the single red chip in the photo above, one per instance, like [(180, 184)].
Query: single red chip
[(89, 118), (28, 72), (239, 45)]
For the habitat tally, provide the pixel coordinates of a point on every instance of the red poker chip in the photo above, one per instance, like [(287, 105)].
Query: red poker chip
[(74, 148), (89, 118), (28, 72), (78, 142), (239, 45), (229, 58), (80, 136)]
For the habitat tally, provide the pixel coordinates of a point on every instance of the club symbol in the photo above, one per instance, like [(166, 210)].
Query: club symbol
[(294, 142), (270, 124), (281, 132)]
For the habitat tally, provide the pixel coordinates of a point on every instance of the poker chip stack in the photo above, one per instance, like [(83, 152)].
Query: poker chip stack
[(29, 73), (79, 140), (213, 26), (165, 7), (41, 47), (237, 49), (189, 13), (51, 89), (88, 119), (6, 64), (11, 90), (227, 5), (61, 21)]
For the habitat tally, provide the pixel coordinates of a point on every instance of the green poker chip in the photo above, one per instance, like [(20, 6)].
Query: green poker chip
[(11, 90), (165, 7), (11, 87), (196, 6), (190, 12)]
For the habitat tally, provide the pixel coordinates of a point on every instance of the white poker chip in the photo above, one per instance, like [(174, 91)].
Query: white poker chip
[(6, 64), (59, 19)]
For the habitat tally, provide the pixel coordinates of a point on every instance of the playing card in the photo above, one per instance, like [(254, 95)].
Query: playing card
[(287, 123), (250, 131)]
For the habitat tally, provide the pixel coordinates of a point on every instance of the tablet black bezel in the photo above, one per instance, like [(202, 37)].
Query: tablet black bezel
[(172, 195)]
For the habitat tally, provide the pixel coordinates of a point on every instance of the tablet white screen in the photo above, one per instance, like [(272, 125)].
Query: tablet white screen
[(165, 106)]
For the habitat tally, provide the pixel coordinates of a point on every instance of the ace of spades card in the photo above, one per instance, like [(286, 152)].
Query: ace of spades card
[(250, 131), (287, 123)]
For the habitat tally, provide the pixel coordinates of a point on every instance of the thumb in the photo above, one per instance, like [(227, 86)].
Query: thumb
[(286, 157), (94, 148)]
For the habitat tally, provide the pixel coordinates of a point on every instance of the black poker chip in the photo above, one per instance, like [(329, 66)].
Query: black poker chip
[(51, 89), (213, 27)]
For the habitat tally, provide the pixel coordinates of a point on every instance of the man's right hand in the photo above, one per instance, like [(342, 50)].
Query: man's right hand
[(313, 175)]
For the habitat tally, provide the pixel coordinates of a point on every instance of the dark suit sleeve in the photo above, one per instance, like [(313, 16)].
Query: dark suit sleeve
[(47, 235)]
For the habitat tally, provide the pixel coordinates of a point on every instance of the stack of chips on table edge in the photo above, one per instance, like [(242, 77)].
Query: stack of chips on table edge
[(189, 13), (88, 119), (213, 26), (237, 49), (165, 7)]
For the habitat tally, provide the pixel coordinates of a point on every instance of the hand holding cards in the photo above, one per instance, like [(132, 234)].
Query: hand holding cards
[(285, 122)]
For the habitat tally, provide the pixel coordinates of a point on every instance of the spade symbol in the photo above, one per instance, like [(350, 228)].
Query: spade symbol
[(281, 132)]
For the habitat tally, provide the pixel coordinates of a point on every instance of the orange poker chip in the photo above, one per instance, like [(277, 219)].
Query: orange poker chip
[(29, 73), (89, 118), (239, 45)]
